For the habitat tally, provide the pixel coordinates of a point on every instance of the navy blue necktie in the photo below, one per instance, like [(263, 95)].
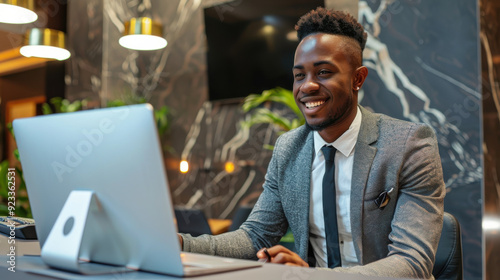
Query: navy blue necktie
[(330, 208)]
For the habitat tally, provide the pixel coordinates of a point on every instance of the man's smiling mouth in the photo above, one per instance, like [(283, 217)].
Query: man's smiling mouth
[(314, 104)]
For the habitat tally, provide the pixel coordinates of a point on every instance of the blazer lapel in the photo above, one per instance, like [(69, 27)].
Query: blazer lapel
[(299, 193), (363, 158)]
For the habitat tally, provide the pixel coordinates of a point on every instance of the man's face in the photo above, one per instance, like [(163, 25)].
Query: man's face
[(324, 80)]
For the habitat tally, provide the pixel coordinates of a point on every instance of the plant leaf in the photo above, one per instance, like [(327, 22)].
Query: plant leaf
[(278, 95), (4, 166), (263, 115), (46, 110)]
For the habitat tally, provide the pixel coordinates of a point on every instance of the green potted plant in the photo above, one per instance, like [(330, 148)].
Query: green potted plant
[(261, 114)]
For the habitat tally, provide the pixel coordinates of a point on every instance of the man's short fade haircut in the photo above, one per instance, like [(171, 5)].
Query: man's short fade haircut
[(322, 20)]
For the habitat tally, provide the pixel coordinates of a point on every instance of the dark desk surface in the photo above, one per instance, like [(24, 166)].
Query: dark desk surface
[(28, 263), (23, 247)]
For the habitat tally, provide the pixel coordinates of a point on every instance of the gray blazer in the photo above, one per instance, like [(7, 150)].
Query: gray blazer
[(399, 240)]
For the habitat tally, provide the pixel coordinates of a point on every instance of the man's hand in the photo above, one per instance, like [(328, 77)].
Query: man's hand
[(280, 254)]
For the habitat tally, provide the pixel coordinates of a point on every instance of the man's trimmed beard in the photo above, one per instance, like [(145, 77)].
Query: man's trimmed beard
[(322, 125)]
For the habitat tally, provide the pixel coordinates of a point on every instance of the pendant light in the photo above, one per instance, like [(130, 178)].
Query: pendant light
[(17, 11), (46, 43), (142, 34)]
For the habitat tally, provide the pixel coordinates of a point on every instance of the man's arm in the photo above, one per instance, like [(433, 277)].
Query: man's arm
[(264, 227), (234, 244)]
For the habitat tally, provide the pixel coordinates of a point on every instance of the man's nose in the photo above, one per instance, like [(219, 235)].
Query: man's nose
[(310, 86)]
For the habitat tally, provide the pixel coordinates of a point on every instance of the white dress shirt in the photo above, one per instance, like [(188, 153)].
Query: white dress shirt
[(344, 159)]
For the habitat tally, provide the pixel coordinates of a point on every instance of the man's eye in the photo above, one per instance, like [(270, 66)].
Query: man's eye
[(298, 75), (324, 72)]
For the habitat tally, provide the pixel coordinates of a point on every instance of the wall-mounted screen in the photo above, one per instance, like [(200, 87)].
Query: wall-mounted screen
[(251, 45)]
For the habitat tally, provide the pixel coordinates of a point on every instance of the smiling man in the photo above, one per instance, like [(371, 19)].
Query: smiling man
[(361, 192)]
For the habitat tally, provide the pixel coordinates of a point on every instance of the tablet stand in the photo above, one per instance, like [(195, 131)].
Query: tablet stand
[(70, 233)]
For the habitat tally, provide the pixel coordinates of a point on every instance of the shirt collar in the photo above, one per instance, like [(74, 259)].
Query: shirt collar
[(346, 142)]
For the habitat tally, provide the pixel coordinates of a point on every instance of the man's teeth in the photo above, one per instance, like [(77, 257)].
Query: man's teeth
[(310, 105)]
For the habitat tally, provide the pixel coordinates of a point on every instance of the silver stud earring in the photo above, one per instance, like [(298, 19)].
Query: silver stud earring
[(357, 88)]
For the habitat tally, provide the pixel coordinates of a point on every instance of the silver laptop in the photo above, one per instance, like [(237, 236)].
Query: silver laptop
[(114, 153)]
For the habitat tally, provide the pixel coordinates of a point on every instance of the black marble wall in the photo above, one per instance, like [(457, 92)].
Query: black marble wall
[(423, 58), (85, 38)]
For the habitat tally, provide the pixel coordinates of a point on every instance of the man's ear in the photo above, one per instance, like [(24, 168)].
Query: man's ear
[(359, 77)]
